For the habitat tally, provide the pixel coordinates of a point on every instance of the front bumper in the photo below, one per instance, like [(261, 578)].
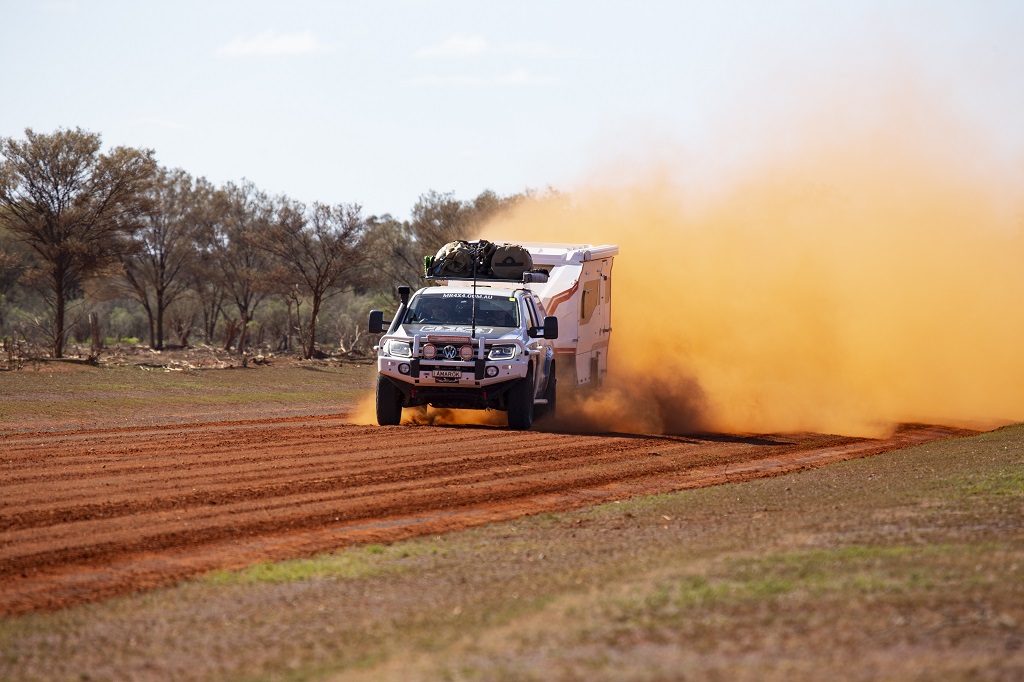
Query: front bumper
[(492, 396), (471, 383), (470, 375), (421, 383)]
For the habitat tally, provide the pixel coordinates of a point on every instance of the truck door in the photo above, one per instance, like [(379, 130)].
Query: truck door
[(543, 365)]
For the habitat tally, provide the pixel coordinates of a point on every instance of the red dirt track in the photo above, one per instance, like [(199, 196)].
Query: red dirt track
[(95, 513)]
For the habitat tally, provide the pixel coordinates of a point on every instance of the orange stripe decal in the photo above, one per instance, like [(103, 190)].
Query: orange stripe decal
[(558, 299)]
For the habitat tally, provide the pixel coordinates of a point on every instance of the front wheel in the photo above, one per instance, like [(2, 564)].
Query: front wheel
[(520, 404), (550, 393), (389, 403)]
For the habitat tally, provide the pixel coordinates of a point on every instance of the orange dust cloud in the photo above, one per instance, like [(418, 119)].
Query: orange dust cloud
[(365, 413), (432, 416), (851, 282)]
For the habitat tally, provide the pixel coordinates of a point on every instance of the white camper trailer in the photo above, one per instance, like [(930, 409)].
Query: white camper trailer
[(579, 293)]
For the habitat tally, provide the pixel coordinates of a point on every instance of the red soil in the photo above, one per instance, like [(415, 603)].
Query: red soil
[(89, 514)]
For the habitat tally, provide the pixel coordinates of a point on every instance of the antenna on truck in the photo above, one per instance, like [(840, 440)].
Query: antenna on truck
[(476, 257)]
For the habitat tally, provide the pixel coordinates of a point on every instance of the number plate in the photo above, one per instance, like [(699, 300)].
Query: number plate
[(447, 374)]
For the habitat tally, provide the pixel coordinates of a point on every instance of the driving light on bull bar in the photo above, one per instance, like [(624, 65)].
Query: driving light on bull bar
[(404, 368), (466, 352), (492, 371), (429, 351), (506, 352), (400, 349)]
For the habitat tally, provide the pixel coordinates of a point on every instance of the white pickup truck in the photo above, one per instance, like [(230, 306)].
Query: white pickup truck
[(497, 338)]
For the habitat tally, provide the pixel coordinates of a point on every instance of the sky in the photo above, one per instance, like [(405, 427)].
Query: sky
[(377, 103)]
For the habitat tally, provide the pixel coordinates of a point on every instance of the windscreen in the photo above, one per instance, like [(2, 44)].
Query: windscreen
[(492, 310)]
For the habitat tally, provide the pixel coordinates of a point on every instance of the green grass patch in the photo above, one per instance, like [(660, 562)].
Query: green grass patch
[(351, 564), (855, 570), (1008, 482)]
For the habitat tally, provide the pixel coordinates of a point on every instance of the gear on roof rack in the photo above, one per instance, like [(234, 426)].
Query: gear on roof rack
[(478, 259)]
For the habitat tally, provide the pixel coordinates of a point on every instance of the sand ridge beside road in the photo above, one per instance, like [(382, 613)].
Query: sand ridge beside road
[(90, 514)]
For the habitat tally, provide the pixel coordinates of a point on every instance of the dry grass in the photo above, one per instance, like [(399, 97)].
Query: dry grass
[(61, 395)]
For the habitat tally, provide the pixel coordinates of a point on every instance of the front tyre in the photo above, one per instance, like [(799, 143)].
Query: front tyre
[(389, 402), (520, 404), (548, 411)]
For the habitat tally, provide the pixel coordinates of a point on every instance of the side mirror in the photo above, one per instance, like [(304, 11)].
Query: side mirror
[(376, 321), (548, 331), (551, 327)]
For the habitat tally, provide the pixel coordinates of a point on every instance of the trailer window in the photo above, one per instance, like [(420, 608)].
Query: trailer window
[(589, 301)]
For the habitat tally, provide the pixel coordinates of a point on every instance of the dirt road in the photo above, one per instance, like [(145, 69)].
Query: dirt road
[(94, 513)]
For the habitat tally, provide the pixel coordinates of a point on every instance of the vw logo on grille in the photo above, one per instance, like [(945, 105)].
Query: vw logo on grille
[(450, 352)]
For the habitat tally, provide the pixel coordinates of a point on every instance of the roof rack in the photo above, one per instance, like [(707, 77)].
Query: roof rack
[(531, 277)]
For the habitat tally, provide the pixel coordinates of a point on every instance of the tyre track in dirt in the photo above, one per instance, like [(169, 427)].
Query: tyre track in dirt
[(89, 514)]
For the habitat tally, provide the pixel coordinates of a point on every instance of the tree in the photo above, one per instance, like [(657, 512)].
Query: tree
[(11, 268), (242, 267), (72, 206), (204, 277), (319, 250), (156, 265), (440, 218), (488, 204), (398, 247), (397, 256)]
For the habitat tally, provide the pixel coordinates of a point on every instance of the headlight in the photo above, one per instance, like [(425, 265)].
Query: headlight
[(400, 349), (501, 353)]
